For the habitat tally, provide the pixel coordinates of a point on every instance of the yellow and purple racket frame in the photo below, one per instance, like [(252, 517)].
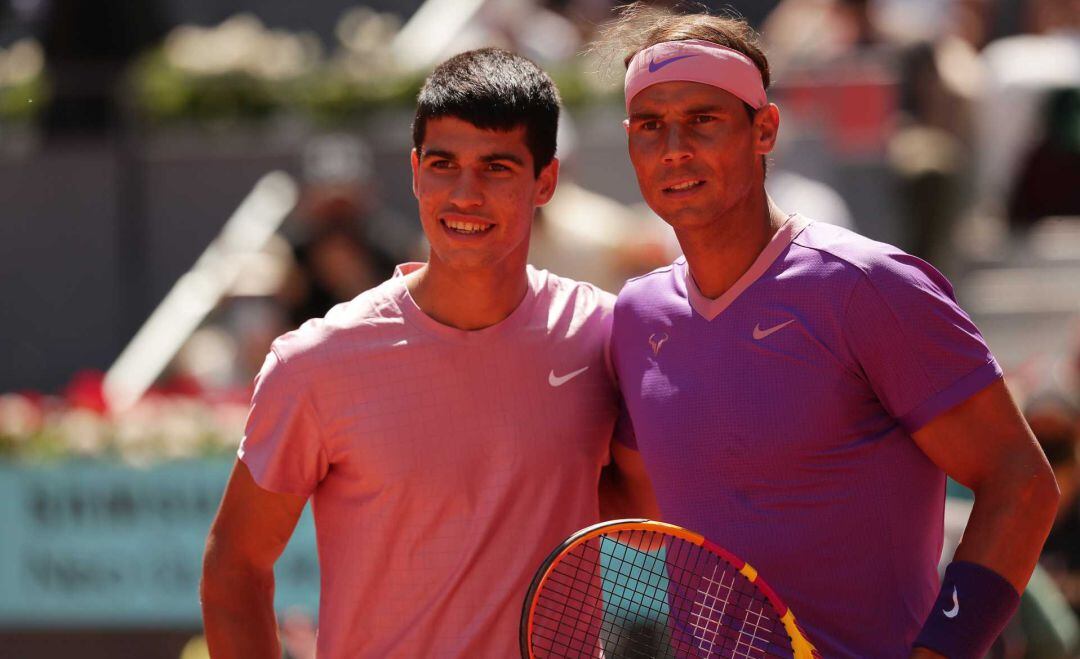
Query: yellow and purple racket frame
[(567, 610)]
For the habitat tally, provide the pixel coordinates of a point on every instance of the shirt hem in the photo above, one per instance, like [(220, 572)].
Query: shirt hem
[(260, 478), (949, 398)]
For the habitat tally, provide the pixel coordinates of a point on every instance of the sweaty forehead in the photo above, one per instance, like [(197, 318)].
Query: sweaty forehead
[(680, 95)]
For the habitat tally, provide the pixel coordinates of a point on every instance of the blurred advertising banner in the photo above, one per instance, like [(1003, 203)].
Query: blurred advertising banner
[(103, 545)]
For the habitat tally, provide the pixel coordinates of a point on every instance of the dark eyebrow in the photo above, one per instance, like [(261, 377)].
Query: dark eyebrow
[(436, 153), (509, 157), (706, 109), (700, 109), (492, 157)]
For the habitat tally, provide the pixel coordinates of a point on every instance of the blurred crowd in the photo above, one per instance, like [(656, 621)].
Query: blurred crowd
[(961, 118), (976, 137), (1055, 421)]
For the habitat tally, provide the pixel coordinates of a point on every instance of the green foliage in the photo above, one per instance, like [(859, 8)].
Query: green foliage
[(22, 101), (331, 96), (327, 95), (164, 93)]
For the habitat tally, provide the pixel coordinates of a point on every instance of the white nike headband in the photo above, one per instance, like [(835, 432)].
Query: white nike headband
[(694, 60)]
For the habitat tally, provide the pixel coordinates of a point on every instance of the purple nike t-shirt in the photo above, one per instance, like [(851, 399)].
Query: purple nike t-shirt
[(776, 420)]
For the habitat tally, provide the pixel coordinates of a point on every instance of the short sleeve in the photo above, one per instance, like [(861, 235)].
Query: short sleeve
[(920, 352), (282, 446)]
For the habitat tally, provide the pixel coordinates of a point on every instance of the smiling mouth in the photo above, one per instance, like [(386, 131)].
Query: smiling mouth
[(684, 186), (466, 228)]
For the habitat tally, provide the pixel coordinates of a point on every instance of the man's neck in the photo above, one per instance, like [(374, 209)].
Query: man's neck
[(467, 300), (721, 251)]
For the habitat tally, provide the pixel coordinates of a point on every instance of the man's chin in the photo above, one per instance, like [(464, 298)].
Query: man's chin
[(468, 262), (685, 216)]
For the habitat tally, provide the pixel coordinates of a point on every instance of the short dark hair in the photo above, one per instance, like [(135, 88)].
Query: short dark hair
[(493, 89), (640, 26)]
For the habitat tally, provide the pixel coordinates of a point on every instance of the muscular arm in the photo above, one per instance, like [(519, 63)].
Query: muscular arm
[(985, 444), (625, 489), (237, 591)]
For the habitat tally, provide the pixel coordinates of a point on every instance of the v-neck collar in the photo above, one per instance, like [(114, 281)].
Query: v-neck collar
[(709, 308)]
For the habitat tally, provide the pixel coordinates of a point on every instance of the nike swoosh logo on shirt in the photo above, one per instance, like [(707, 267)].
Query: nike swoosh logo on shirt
[(560, 380), (955, 610), (655, 66), (760, 334)]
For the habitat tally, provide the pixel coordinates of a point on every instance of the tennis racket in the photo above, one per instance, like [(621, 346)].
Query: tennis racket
[(642, 589)]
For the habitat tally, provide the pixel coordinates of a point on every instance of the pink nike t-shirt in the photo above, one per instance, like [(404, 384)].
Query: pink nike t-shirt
[(443, 465)]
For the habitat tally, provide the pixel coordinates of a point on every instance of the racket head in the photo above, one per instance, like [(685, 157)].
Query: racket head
[(640, 588)]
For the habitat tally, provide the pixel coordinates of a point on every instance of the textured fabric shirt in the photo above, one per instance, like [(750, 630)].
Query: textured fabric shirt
[(776, 420), (443, 465)]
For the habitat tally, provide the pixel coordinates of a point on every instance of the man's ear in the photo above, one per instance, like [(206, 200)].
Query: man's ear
[(546, 182), (766, 128), (414, 161)]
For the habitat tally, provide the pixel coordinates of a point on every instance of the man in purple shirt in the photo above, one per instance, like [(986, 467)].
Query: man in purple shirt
[(798, 393)]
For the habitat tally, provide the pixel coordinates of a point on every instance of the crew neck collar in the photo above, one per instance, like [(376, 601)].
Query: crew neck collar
[(415, 315)]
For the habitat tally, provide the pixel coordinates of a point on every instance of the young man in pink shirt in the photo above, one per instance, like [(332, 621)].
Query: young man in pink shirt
[(449, 426)]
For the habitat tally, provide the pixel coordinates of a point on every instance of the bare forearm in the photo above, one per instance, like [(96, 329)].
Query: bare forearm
[(238, 613), (248, 535), (1009, 524)]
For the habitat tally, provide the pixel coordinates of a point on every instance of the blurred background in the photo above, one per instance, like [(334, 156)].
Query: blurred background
[(183, 180)]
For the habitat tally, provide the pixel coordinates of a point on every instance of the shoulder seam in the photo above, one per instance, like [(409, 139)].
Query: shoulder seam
[(863, 276), (658, 271), (836, 256), (277, 355)]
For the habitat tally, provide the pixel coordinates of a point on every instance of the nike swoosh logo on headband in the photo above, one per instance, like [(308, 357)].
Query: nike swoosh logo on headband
[(655, 66)]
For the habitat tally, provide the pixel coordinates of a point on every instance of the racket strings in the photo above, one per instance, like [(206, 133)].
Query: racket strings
[(645, 594)]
